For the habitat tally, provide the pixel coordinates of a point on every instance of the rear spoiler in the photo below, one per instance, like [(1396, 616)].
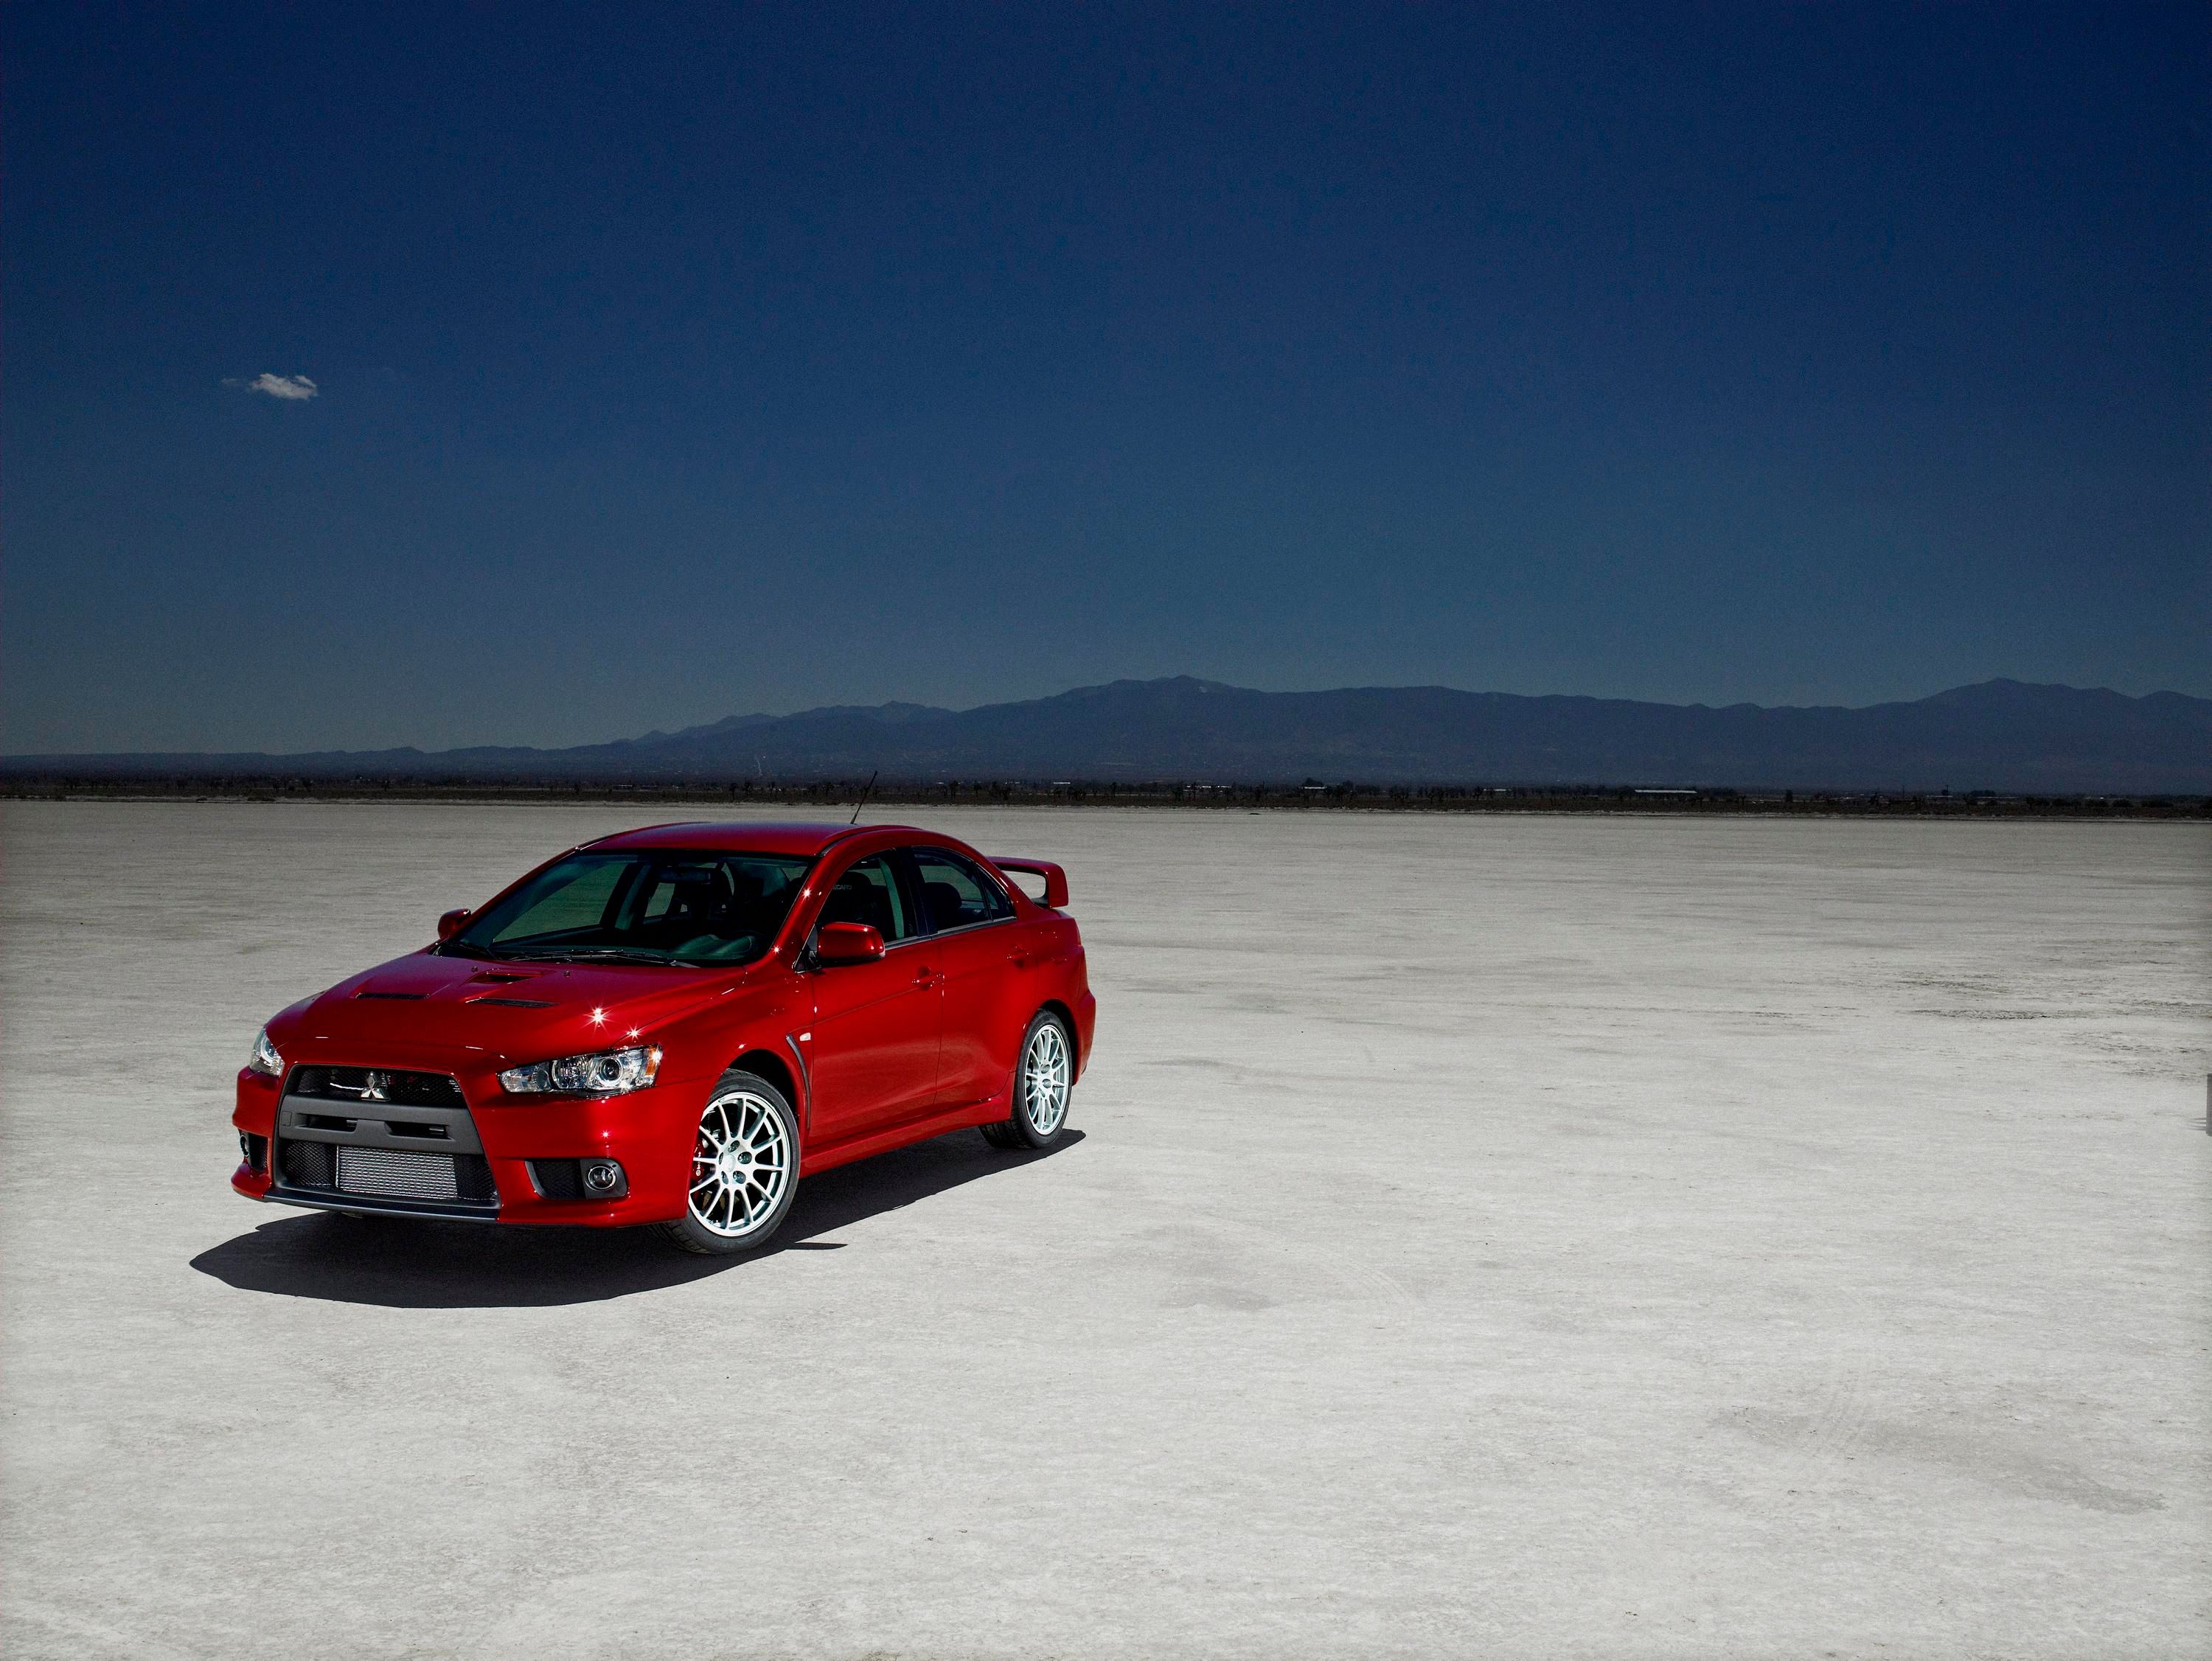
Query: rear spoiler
[(1055, 879)]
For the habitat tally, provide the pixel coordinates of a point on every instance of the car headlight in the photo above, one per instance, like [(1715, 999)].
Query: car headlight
[(264, 1058), (608, 1073)]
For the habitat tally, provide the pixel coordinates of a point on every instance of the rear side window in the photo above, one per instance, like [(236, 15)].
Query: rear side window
[(955, 894)]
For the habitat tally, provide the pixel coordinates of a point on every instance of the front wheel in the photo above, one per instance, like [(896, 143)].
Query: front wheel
[(745, 1169), (1044, 1078)]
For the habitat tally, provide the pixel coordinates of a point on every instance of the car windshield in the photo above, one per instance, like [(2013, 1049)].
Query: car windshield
[(658, 906)]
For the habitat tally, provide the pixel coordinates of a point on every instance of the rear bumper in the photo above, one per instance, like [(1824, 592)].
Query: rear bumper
[(1086, 1023)]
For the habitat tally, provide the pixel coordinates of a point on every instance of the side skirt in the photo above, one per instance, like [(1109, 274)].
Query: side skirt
[(899, 1136)]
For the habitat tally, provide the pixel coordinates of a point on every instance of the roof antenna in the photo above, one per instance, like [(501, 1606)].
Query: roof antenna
[(863, 802)]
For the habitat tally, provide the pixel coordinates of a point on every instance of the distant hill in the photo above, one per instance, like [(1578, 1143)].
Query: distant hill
[(1999, 735)]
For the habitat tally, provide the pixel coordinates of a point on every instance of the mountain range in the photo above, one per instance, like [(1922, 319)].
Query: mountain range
[(1999, 735)]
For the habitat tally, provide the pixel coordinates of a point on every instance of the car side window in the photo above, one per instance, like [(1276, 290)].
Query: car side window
[(955, 894), (869, 893)]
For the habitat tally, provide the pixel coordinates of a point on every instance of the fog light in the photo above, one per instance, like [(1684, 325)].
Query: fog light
[(603, 1178)]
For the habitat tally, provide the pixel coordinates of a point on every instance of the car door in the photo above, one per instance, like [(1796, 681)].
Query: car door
[(872, 1058), (977, 945)]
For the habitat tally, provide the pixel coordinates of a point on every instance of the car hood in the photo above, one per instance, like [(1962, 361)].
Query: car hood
[(494, 1011)]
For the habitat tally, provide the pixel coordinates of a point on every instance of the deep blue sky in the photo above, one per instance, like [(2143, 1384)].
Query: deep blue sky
[(676, 361)]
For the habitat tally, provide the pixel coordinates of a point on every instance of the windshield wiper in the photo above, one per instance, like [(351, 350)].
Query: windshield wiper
[(594, 954)]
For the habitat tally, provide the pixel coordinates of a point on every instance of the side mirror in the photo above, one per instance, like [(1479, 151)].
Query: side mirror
[(847, 942), (452, 922)]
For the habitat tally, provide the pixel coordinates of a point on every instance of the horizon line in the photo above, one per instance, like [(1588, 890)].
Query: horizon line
[(658, 734)]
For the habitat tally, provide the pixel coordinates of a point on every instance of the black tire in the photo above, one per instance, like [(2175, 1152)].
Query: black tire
[(742, 1091), (1019, 1130)]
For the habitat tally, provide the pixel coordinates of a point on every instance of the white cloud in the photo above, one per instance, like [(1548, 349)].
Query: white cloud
[(288, 387)]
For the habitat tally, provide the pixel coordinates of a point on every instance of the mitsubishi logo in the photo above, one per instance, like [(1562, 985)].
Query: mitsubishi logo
[(370, 1089)]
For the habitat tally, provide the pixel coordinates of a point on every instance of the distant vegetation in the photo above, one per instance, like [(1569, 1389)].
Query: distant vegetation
[(834, 798)]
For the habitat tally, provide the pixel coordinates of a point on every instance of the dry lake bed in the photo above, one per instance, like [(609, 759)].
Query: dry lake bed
[(1507, 1236)]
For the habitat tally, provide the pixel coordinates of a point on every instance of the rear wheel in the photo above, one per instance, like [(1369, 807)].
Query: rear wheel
[(1044, 1078), (745, 1169)]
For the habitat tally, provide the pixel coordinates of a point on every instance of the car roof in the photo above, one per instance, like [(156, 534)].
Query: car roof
[(750, 836)]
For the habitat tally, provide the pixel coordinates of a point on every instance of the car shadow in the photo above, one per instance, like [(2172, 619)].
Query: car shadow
[(409, 1264)]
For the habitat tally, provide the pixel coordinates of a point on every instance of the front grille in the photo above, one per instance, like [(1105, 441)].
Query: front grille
[(396, 1175), (391, 1173), (305, 1164), (472, 1177), (391, 1085), (558, 1178)]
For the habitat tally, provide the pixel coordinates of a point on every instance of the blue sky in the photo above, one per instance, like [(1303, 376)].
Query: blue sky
[(671, 363)]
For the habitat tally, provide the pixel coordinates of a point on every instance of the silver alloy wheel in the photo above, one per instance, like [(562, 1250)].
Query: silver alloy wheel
[(742, 1165), (1044, 1079)]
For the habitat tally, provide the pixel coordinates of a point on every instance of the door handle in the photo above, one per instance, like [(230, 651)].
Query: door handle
[(925, 976), (1020, 960)]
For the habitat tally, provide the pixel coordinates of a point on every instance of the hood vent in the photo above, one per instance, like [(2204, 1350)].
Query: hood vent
[(409, 997), (515, 1003), (487, 978)]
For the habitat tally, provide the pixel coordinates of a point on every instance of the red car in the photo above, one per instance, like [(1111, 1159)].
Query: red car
[(672, 1027)]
